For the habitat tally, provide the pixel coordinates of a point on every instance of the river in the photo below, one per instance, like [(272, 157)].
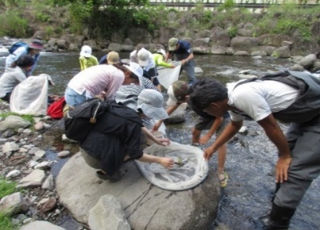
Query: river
[(251, 157)]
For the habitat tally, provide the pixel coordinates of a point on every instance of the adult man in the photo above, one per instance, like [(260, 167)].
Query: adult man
[(290, 97), (182, 51), (33, 49)]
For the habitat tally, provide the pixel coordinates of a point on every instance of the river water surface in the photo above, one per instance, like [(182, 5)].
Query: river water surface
[(251, 157)]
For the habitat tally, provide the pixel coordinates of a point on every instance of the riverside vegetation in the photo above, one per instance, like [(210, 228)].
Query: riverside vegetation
[(109, 20)]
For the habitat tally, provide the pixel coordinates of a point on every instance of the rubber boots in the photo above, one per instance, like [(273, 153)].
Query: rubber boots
[(278, 219)]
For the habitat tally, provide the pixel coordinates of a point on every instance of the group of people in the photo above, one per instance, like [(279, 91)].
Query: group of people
[(287, 96)]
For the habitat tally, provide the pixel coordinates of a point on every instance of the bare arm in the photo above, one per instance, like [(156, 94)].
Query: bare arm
[(231, 129), (170, 110), (159, 141), (275, 134), (187, 59), (215, 125)]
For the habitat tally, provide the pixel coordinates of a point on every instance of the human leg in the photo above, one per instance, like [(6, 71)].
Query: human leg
[(305, 166), (189, 68)]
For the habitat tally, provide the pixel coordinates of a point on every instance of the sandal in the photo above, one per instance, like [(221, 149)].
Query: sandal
[(223, 179), (104, 176)]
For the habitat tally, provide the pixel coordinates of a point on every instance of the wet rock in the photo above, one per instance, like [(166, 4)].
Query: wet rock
[(145, 205), (282, 52), (41, 225), (34, 179), (308, 61), (47, 204), (316, 66), (39, 154), (259, 53), (241, 53), (108, 212), (64, 153), (13, 174), (13, 122), (13, 203), (44, 165), (219, 50), (178, 115), (48, 183), (297, 67)]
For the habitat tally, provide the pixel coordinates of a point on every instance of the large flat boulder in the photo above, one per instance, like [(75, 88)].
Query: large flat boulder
[(145, 206)]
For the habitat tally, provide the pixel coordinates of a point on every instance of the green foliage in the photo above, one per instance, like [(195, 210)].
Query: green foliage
[(232, 31), (227, 5), (42, 17), (6, 188), (13, 25), (5, 222)]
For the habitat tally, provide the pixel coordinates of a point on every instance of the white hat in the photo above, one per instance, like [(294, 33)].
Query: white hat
[(86, 51), (143, 57), (161, 51), (136, 69), (150, 101)]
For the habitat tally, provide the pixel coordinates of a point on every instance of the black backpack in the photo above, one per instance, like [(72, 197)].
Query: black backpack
[(80, 120)]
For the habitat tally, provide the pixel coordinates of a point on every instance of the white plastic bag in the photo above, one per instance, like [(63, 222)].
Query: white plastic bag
[(168, 75), (31, 96)]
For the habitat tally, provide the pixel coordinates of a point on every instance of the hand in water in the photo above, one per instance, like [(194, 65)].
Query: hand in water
[(166, 162), (282, 169)]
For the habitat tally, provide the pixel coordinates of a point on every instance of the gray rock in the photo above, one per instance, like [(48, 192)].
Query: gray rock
[(108, 213), (297, 67), (244, 43), (44, 165), (13, 173), (34, 179), (308, 61), (13, 122), (259, 53), (178, 115), (27, 131), (241, 53), (316, 66), (218, 50), (10, 147), (41, 225), (47, 204), (201, 50), (145, 205), (39, 126), (64, 153), (201, 42), (39, 154), (48, 183), (13, 203), (282, 52)]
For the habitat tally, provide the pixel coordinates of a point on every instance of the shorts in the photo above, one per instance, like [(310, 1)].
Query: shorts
[(206, 123)]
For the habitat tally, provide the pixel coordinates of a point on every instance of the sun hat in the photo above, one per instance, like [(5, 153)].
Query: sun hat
[(113, 57), (161, 51), (150, 101), (36, 44), (136, 69), (172, 44), (143, 57), (180, 90), (86, 51)]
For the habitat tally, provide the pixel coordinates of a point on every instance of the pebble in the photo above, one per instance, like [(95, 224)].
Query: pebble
[(13, 173)]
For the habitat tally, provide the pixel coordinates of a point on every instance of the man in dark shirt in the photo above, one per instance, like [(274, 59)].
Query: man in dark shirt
[(182, 51)]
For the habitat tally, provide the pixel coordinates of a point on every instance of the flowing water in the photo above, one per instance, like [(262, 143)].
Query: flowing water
[(251, 157)]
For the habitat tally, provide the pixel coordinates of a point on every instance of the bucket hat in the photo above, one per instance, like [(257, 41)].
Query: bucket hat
[(150, 101), (113, 57), (86, 51), (172, 44), (143, 57)]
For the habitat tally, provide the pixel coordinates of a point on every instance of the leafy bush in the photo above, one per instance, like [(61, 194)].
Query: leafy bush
[(13, 25)]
